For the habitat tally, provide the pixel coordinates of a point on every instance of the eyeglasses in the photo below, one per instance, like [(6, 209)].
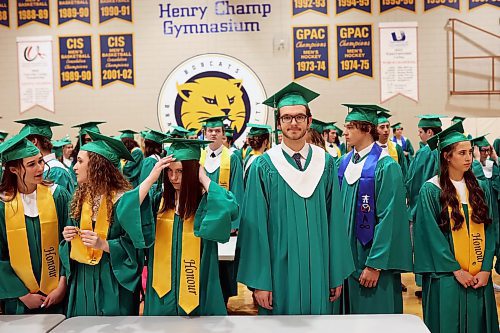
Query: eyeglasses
[(486, 150), (300, 118)]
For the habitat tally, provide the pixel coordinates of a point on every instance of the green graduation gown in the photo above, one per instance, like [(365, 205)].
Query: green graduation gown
[(60, 175), (390, 249), (111, 287), (11, 287), (213, 218), (147, 166), (293, 246), (132, 169), (447, 306)]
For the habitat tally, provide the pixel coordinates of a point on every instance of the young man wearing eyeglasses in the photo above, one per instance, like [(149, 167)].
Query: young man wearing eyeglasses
[(292, 240)]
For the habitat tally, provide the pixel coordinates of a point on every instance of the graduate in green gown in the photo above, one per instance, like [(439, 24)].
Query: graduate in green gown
[(259, 138), (153, 151), (332, 141), (455, 242), (84, 137), (392, 149), (109, 221), (228, 142), (294, 249), (189, 224), (58, 148), (132, 169), (404, 142), (315, 135), (457, 119), (32, 279), (372, 193), (39, 132)]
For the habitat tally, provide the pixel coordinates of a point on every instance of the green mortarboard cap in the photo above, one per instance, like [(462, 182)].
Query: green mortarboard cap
[(292, 94), (363, 112), (155, 136), (396, 126), (89, 126), (217, 121), (37, 126), (3, 135), (481, 141), (111, 149), (143, 133), (457, 118), (430, 120), (192, 131), (57, 146), (229, 132), (383, 117), (330, 126), (339, 131), (127, 134), (449, 136), (17, 147), (318, 125), (258, 129), (185, 149), (179, 131)]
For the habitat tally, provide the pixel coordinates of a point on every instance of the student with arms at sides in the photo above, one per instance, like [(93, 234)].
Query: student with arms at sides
[(393, 150), (109, 221), (193, 214), (259, 139), (33, 213), (455, 242), (294, 249), (403, 142)]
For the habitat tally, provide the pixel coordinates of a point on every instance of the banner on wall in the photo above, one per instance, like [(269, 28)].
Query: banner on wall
[(303, 6), (477, 3), (117, 59), (398, 60), (78, 10), (29, 11), (110, 9), (431, 4), (36, 80), (354, 50), (387, 5), (346, 5), (4, 13), (75, 60), (310, 52)]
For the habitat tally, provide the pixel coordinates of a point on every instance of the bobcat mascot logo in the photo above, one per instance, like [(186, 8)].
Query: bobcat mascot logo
[(207, 97)]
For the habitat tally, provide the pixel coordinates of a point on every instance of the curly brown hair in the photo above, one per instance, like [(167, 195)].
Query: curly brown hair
[(449, 197), (103, 178)]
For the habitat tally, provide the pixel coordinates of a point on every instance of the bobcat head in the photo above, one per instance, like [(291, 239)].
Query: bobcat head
[(212, 96)]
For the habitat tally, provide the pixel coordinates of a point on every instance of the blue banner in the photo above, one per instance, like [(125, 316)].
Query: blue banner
[(4, 13), (386, 5), (354, 50), (431, 4), (302, 6), (310, 52), (110, 9), (117, 59), (68, 10), (477, 3), (345, 5), (32, 11), (75, 60)]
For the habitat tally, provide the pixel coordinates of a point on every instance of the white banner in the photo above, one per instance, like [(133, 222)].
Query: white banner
[(398, 60), (36, 78)]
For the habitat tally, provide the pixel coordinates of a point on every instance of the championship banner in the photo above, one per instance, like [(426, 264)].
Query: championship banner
[(386, 5), (32, 11), (4, 13), (68, 10), (302, 6), (117, 59), (477, 3), (398, 60), (345, 5), (310, 52), (354, 50), (431, 4), (110, 9), (36, 80), (75, 60)]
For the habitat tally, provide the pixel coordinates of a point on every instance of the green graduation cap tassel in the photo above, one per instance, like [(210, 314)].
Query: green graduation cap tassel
[(185, 149), (430, 120), (258, 129), (481, 141), (37, 126), (127, 134), (111, 149), (449, 136), (217, 121), (17, 147)]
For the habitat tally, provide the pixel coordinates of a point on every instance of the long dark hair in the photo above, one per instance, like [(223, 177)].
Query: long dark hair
[(151, 148), (449, 197), (190, 193), (316, 138), (130, 143), (257, 141)]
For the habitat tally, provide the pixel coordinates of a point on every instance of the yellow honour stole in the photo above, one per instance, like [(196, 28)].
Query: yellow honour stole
[(392, 150), (225, 166), (189, 286), (468, 243), (80, 252), (17, 240)]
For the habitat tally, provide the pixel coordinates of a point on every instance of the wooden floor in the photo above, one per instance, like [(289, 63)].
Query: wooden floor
[(243, 303)]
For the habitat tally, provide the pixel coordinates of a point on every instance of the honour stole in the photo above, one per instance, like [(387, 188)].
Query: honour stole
[(468, 242), (391, 147), (80, 252), (189, 286), (225, 166), (17, 240)]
